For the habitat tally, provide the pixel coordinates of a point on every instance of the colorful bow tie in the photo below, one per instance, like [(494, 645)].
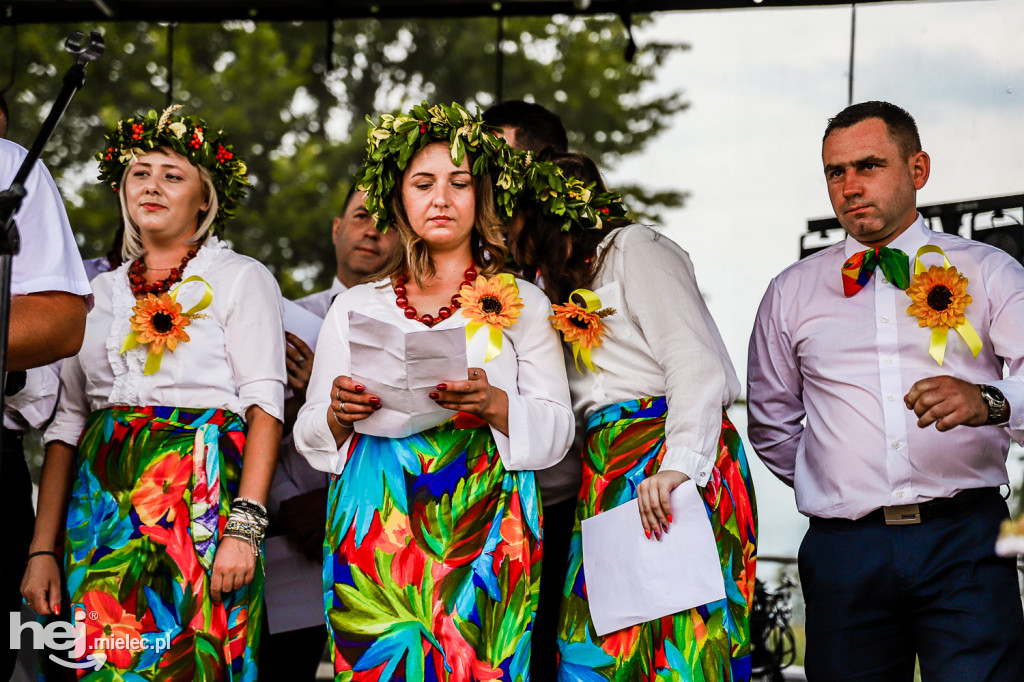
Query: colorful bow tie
[(858, 269)]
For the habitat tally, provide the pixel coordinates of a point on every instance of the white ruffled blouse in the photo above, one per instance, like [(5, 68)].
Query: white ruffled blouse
[(234, 358), (529, 369)]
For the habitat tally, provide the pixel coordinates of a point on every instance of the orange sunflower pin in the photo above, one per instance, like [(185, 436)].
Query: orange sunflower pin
[(940, 301), (580, 324), (492, 305), (159, 323)]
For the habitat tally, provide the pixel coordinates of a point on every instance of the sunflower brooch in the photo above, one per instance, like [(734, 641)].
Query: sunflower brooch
[(579, 322), (491, 305), (159, 323), (940, 300)]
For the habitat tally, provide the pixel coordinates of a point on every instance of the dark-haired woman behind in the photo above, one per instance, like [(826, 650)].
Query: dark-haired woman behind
[(653, 399)]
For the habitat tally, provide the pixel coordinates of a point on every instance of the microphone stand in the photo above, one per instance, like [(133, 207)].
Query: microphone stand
[(84, 49)]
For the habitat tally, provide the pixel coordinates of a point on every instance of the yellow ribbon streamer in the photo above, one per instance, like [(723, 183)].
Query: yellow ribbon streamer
[(591, 303), (153, 359), (937, 346), (494, 335)]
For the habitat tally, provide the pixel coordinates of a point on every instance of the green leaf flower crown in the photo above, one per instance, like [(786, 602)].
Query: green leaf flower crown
[(189, 136), (567, 198), (393, 141), (516, 176)]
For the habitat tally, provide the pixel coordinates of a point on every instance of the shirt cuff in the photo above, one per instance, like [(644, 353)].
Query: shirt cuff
[(267, 394), (63, 432), (689, 462), (1013, 391)]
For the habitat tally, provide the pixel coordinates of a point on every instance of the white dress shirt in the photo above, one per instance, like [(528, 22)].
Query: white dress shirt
[(661, 341), (233, 360), (320, 302), (845, 364), (529, 369), (48, 261), (49, 258)]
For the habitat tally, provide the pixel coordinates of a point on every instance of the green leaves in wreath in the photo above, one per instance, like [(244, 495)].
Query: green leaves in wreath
[(393, 141)]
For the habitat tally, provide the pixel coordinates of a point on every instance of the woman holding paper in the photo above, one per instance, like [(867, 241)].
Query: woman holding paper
[(433, 538), (651, 382), (165, 437)]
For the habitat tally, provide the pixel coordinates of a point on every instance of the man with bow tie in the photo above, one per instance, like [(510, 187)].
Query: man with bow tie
[(876, 389)]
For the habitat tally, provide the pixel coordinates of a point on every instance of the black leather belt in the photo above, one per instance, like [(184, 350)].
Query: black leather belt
[(910, 514)]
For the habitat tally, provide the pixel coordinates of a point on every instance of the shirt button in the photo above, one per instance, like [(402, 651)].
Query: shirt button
[(888, 361), (895, 445), (899, 494), (885, 320), (885, 281), (892, 399)]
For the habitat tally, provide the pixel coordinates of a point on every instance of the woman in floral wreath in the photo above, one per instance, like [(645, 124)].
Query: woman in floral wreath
[(166, 400), (433, 540), (650, 378)]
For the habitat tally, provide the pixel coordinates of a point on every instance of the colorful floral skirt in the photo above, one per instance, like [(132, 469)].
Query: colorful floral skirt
[(153, 492), (625, 443), (432, 560)]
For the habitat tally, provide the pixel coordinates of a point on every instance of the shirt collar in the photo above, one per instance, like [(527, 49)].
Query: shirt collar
[(337, 287), (912, 239)]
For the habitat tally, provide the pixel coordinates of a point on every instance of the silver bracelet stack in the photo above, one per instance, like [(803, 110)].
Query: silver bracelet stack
[(247, 521)]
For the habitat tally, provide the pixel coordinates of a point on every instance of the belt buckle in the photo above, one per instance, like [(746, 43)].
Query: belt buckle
[(902, 515)]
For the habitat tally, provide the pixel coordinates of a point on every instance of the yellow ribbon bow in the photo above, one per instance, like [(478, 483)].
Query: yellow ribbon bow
[(491, 306), (164, 311), (940, 301)]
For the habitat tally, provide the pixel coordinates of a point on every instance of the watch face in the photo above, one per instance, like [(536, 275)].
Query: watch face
[(995, 400)]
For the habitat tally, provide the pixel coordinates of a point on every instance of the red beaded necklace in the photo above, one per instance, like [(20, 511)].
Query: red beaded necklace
[(137, 279), (444, 313)]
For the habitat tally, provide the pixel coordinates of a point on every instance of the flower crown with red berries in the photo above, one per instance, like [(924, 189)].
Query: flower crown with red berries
[(189, 136), (566, 198)]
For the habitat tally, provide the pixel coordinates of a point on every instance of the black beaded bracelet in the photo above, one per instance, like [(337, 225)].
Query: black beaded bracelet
[(42, 552)]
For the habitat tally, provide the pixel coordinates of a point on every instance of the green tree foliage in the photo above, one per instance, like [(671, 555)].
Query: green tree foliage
[(296, 113)]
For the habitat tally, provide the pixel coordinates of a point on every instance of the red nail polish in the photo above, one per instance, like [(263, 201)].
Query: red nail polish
[(376, 406), (56, 609), (442, 387), (670, 518), (647, 533), (434, 395), (359, 388), (374, 400)]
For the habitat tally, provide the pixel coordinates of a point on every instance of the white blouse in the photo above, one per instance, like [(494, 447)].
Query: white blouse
[(661, 341), (234, 357), (529, 369)]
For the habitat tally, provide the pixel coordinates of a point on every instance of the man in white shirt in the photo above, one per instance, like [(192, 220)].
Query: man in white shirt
[(49, 301), (298, 494), (894, 435)]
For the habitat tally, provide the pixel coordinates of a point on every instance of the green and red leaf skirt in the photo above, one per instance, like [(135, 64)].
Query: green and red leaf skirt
[(624, 444), (432, 559), (153, 490)]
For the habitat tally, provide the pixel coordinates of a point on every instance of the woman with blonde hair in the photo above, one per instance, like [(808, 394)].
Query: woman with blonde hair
[(166, 433), (433, 539)]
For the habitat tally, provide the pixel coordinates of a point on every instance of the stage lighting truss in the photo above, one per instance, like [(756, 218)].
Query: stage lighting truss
[(998, 221)]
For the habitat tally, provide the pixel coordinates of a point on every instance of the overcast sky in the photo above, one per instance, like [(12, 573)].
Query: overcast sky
[(761, 84)]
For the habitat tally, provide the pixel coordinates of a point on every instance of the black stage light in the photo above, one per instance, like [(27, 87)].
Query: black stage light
[(1009, 238)]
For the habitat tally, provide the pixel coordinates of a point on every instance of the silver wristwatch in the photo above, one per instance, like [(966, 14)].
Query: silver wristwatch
[(996, 402)]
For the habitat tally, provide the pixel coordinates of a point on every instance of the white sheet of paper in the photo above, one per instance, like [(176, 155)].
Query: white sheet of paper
[(302, 323), (631, 579), (294, 588), (402, 369)]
